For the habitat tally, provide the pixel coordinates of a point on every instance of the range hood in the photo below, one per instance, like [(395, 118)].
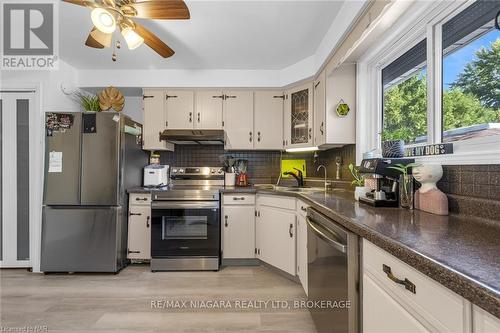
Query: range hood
[(193, 137)]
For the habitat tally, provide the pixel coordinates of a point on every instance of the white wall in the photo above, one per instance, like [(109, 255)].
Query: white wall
[(52, 98), (133, 108)]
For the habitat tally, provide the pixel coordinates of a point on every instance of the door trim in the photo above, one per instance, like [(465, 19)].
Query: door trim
[(36, 173)]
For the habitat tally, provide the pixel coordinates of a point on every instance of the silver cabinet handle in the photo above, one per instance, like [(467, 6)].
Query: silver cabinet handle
[(321, 128), (225, 220), (134, 214), (290, 230), (303, 208), (129, 251), (190, 117), (250, 139), (407, 283), (310, 133), (258, 136), (147, 221), (170, 96), (198, 117), (339, 246), (240, 198), (141, 199)]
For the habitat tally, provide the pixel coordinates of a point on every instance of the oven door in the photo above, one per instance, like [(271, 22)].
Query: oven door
[(185, 228)]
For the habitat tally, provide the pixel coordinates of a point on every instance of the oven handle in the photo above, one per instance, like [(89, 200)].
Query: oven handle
[(315, 227), (184, 204)]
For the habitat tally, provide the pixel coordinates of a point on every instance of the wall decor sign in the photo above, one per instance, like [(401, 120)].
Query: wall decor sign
[(430, 150)]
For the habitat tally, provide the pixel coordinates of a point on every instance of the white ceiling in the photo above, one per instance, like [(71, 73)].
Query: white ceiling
[(250, 35)]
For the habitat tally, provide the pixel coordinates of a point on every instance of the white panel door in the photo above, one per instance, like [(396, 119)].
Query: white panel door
[(139, 232), (320, 110), (302, 251), (268, 120), (20, 162), (154, 120), (238, 223), (208, 109), (383, 314), (179, 109), (238, 120), (277, 238)]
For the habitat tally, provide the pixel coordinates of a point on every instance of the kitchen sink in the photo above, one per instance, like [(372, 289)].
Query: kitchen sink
[(288, 188)]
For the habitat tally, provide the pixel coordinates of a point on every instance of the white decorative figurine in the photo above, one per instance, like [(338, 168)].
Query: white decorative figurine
[(429, 198)]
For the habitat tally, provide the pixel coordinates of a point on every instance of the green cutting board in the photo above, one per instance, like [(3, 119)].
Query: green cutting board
[(289, 165)]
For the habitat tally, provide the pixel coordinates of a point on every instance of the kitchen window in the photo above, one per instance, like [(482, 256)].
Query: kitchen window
[(435, 79), (471, 74)]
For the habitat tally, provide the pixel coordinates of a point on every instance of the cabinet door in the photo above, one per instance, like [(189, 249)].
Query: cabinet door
[(319, 110), (208, 109), (139, 232), (180, 109), (302, 251), (238, 119), (301, 116), (484, 322), (268, 113), (154, 119), (277, 238), (383, 314), (239, 232)]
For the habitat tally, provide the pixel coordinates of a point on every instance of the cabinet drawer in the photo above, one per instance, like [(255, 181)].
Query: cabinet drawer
[(433, 304), (238, 199), (276, 201), (302, 208), (141, 199)]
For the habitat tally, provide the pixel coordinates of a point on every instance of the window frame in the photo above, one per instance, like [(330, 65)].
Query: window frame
[(422, 20)]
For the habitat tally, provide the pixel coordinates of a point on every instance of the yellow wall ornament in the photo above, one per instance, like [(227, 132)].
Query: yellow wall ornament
[(111, 98)]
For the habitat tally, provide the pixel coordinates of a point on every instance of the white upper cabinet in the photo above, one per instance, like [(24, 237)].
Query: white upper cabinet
[(154, 120), (179, 109), (340, 89), (298, 122), (208, 109), (268, 117), (319, 110), (238, 120)]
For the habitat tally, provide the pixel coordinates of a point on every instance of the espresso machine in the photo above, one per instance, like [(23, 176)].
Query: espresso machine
[(385, 179)]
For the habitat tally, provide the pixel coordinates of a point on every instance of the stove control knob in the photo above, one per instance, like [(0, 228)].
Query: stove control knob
[(181, 170), (174, 170)]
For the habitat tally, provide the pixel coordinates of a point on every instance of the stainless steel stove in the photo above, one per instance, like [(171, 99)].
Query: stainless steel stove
[(185, 233)]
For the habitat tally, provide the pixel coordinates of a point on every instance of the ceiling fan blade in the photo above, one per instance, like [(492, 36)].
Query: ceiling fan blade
[(98, 39), (76, 2), (153, 42), (165, 9)]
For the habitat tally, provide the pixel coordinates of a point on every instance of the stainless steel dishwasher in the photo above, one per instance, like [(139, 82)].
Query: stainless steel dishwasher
[(333, 275)]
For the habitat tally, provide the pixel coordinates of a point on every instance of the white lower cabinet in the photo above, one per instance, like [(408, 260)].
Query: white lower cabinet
[(276, 232), (302, 251), (383, 314), (139, 230), (398, 298), (484, 322), (238, 238)]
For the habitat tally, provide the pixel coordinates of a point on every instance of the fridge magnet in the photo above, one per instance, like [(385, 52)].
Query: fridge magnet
[(58, 122), (342, 109)]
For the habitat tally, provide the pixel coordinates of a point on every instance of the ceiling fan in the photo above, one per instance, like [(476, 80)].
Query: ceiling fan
[(110, 15)]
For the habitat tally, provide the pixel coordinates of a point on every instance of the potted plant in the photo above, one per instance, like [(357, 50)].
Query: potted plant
[(359, 182), (393, 144), (89, 102), (405, 184)]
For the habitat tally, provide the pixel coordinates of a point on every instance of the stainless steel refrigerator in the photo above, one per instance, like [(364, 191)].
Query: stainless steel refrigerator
[(91, 159)]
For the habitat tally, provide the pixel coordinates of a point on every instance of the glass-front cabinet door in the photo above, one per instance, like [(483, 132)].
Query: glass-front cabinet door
[(299, 117)]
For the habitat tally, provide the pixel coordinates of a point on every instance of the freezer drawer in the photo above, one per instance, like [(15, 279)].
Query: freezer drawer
[(76, 239)]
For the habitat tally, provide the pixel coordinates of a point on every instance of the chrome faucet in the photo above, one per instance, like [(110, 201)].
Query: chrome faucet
[(317, 170)]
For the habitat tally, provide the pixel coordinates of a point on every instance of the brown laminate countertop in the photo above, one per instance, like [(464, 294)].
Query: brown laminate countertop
[(461, 253)]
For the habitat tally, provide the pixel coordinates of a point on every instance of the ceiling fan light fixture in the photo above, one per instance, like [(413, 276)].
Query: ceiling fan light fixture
[(132, 38), (103, 20)]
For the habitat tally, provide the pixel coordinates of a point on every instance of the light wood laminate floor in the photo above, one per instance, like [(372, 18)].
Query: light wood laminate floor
[(122, 302)]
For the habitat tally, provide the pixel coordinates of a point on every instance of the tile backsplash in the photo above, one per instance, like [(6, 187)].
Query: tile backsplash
[(472, 189)]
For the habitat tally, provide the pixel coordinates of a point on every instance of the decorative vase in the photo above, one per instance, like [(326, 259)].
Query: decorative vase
[(406, 191), (360, 191), (393, 148)]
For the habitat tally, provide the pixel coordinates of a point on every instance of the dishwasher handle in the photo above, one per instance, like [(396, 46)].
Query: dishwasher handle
[(316, 228)]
